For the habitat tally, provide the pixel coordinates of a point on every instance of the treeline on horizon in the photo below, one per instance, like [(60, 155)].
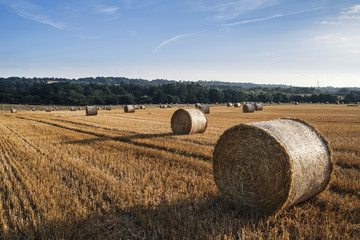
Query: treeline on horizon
[(105, 90)]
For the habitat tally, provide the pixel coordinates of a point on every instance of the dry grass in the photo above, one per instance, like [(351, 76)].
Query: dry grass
[(121, 176)]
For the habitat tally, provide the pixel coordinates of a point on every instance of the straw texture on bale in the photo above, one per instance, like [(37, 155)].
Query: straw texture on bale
[(248, 108), (267, 166), (204, 108), (91, 110), (188, 121), (129, 109), (13, 110), (258, 107)]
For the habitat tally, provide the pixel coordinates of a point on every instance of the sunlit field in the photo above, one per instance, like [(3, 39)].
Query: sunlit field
[(64, 175)]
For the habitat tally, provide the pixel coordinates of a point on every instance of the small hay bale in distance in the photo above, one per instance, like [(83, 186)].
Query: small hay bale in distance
[(72, 109), (142, 107), (108, 108), (267, 166), (129, 109), (13, 110), (204, 108), (48, 109), (188, 121), (229, 104), (248, 108), (91, 110), (237, 104), (258, 107), (136, 107), (197, 105)]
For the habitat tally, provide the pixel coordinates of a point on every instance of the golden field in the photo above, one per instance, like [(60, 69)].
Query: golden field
[(64, 175)]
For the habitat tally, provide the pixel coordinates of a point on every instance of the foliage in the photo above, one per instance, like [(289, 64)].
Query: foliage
[(112, 90)]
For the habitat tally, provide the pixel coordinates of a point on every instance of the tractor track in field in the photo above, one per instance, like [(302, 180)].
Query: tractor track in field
[(127, 139), (144, 135)]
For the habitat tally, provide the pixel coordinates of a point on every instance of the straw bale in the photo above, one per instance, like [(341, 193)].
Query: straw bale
[(197, 105), (267, 166), (47, 109), (136, 107), (129, 108), (237, 104), (248, 108), (13, 110), (204, 108), (91, 110), (229, 104), (108, 108), (258, 107), (188, 121), (72, 108), (142, 107)]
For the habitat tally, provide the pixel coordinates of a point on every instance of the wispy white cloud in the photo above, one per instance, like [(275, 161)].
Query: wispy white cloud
[(110, 9), (172, 40), (327, 36), (352, 10), (31, 11), (271, 17), (329, 23), (230, 9)]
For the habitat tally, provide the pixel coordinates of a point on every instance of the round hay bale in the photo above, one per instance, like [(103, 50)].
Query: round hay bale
[(129, 108), (197, 105), (72, 109), (188, 121), (108, 108), (248, 108), (136, 107), (258, 107), (204, 108), (91, 110), (229, 104), (47, 109), (142, 107), (13, 110), (268, 166), (237, 104)]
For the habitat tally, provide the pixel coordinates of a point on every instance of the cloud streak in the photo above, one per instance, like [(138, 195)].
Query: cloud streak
[(33, 12), (171, 40), (271, 17), (111, 9)]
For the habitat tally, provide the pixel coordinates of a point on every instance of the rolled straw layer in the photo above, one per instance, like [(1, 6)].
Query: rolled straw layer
[(188, 121), (267, 166)]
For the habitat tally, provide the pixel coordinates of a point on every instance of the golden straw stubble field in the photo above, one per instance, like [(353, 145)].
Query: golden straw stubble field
[(64, 175)]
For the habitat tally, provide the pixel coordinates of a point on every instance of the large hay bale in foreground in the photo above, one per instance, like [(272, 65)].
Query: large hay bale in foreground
[(13, 110), (248, 108), (129, 108), (258, 107), (188, 121), (91, 110), (267, 166), (204, 108)]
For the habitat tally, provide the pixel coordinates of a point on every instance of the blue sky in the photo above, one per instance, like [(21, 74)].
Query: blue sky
[(300, 43)]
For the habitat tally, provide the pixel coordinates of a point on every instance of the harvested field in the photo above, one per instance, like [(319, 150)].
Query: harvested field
[(127, 176)]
